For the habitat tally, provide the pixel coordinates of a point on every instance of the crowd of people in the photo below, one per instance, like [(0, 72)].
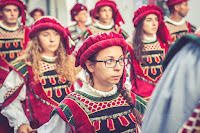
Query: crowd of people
[(88, 78)]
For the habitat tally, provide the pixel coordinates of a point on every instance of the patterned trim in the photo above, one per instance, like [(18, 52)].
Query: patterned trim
[(142, 78), (125, 35), (42, 100), (12, 91), (97, 99), (80, 103), (5, 69), (21, 69), (113, 116), (66, 110), (130, 131)]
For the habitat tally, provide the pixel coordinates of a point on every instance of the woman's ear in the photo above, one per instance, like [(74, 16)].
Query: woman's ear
[(90, 66)]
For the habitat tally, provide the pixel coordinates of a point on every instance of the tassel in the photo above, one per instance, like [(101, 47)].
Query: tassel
[(52, 81), (15, 44), (12, 55), (145, 71), (22, 44), (161, 70), (157, 60), (68, 90), (18, 54), (132, 117), (3, 56), (163, 57), (149, 60), (124, 121), (153, 71), (110, 124), (63, 80), (49, 94), (96, 125), (1, 45), (7, 45), (58, 93), (43, 81)]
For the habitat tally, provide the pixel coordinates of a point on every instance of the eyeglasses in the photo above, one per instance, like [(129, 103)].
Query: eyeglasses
[(112, 63)]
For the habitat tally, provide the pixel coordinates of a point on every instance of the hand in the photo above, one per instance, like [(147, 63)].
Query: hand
[(24, 129)]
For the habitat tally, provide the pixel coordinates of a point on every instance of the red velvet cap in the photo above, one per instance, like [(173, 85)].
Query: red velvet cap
[(116, 15), (174, 2), (92, 13), (96, 43), (162, 33), (76, 9), (37, 10), (48, 22), (19, 4)]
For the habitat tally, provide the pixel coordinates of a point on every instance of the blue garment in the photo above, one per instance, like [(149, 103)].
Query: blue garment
[(177, 92)]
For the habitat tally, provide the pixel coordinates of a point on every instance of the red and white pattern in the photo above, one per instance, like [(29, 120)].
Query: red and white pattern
[(18, 34), (153, 46), (96, 106), (47, 66), (193, 123), (11, 91)]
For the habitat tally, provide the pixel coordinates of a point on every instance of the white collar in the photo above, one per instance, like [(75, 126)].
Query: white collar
[(97, 24), (47, 58), (149, 39), (97, 93), (175, 23), (8, 28)]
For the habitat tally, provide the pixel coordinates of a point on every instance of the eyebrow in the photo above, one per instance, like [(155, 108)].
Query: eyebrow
[(112, 56)]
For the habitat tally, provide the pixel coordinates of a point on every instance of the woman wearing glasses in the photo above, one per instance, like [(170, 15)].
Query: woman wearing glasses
[(149, 47), (102, 104)]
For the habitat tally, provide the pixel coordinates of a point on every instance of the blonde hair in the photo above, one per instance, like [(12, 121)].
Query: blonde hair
[(32, 56)]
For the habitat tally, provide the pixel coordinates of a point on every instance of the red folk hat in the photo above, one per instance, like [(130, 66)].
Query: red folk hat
[(76, 9), (162, 33), (48, 22), (37, 10), (96, 43), (116, 15), (19, 4), (174, 2)]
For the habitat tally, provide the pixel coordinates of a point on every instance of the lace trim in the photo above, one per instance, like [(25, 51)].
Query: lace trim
[(8, 28), (102, 93), (97, 24), (147, 39), (175, 23), (50, 59)]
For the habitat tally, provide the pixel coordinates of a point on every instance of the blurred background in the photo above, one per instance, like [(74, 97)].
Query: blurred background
[(61, 10)]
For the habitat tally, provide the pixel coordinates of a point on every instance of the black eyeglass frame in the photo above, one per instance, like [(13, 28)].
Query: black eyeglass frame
[(115, 62)]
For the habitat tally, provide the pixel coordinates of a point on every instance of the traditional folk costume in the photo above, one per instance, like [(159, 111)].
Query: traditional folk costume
[(27, 100), (174, 105), (178, 29), (145, 75), (75, 30), (115, 27), (90, 110), (12, 40), (98, 28)]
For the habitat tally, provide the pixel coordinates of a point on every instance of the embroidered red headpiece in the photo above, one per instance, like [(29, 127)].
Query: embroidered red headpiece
[(37, 10), (76, 9), (19, 4), (96, 43), (162, 33), (116, 15), (174, 2), (47, 22)]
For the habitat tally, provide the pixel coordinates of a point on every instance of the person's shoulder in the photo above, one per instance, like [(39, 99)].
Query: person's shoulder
[(21, 68), (72, 27)]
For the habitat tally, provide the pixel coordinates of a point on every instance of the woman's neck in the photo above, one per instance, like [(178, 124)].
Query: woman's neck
[(102, 87)]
